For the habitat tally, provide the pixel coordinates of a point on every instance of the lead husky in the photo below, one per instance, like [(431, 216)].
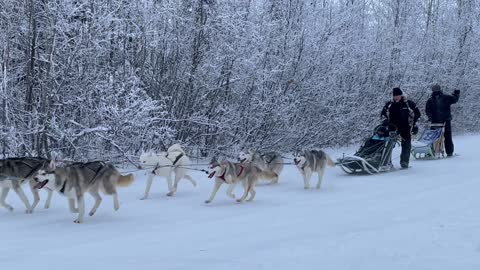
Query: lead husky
[(15, 172), (74, 180), (233, 173), (312, 161), (270, 162), (175, 160)]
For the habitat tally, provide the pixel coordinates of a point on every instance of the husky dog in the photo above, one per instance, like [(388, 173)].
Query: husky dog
[(270, 162), (163, 164), (14, 172), (233, 173), (74, 180), (312, 161)]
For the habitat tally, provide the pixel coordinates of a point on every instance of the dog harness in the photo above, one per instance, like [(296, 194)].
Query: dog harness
[(33, 168), (241, 171), (264, 156), (88, 166), (62, 190), (238, 175), (223, 176), (176, 159)]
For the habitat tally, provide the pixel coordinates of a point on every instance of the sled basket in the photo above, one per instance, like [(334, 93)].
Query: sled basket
[(430, 145), (374, 156)]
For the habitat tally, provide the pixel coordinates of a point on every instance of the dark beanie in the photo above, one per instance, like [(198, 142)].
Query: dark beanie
[(397, 92), (436, 87)]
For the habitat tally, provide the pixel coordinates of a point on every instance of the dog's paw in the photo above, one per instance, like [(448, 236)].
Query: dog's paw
[(78, 221), (170, 194), (9, 208), (143, 198), (239, 200), (91, 213), (29, 211), (207, 201), (306, 187), (194, 183)]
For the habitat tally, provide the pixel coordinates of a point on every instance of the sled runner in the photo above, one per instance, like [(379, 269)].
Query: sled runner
[(430, 145), (375, 155)]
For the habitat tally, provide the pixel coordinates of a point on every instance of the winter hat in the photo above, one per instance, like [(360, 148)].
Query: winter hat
[(397, 92), (436, 88)]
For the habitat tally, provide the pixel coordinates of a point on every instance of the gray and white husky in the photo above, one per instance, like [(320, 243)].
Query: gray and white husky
[(74, 180), (310, 161), (271, 162), (15, 172), (227, 172)]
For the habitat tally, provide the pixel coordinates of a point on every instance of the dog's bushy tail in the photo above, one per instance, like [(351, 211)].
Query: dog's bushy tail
[(330, 162), (125, 180)]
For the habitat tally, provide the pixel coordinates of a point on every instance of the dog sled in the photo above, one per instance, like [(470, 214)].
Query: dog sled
[(375, 155), (430, 144)]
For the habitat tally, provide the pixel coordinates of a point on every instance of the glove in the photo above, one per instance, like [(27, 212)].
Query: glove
[(414, 130), (456, 92)]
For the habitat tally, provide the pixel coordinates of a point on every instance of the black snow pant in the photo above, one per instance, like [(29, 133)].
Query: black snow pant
[(449, 148), (406, 147)]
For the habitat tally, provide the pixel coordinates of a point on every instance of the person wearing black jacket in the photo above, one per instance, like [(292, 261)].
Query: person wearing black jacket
[(404, 114), (438, 112)]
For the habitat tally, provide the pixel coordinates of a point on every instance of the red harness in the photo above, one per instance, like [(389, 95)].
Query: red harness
[(223, 175), (241, 171)]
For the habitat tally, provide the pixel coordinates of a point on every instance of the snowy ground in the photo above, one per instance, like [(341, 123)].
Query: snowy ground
[(423, 218)]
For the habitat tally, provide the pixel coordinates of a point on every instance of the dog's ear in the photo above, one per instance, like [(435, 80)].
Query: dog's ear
[(51, 165), (181, 148), (53, 156)]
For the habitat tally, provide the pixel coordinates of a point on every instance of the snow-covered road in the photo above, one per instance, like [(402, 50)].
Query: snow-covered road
[(426, 217)]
